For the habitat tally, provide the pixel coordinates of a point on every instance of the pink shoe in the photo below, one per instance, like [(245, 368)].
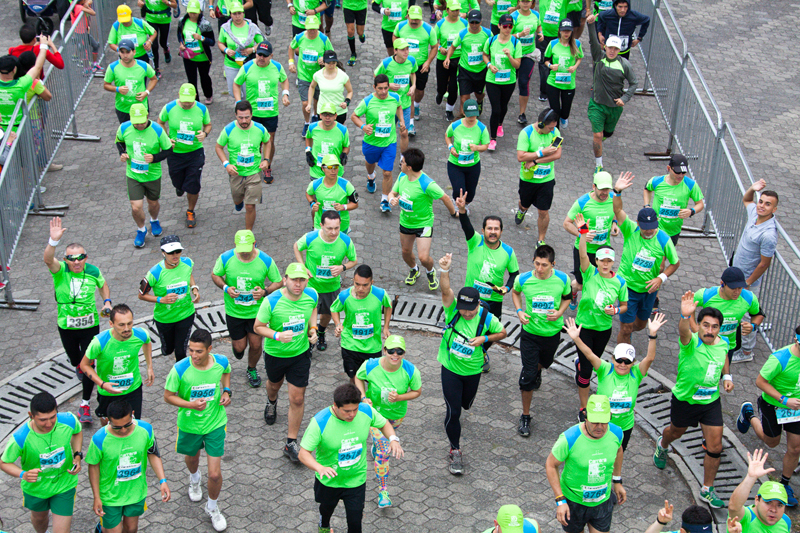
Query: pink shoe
[(209, 100), (500, 130), (492, 145)]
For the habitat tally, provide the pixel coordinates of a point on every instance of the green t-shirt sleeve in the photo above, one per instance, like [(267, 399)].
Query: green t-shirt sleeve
[(148, 28), (12, 452), (416, 380), (434, 191), (173, 381), (240, 76), (523, 142), (670, 252), (93, 454), (561, 449), (118, 138), (258, 38), (311, 437), (351, 251), (449, 132), (361, 109), (637, 374), (328, 44), (517, 287), (755, 307), (282, 76), (294, 43), (163, 116), (485, 136), (310, 189), (273, 274), (396, 186), (222, 140), (264, 312), (517, 50), (549, 50), (149, 72), (622, 294), (698, 297), (378, 420), (93, 351), (627, 228), (301, 243), (574, 210), (649, 185), (227, 369), (386, 302), (495, 326), (264, 136), (602, 370), (771, 368), (164, 141), (362, 370), (696, 194), (486, 48), (109, 75), (219, 270), (337, 306), (379, 69), (567, 290)]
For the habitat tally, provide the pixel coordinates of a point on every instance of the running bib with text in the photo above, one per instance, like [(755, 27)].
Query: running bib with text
[(122, 381), (203, 391), (349, 455), (80, 322)]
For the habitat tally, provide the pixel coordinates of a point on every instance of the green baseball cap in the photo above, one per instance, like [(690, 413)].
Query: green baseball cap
[(395, 341), (187, 93), (772, 490), (327, 107), (329, 160), (312, 22), (598, 409), (415, 13), (510, 519), (603, 180), (471, 108), (194, 7), (453, 5), (245, 241), (138, 114), (297, 270), (235, 7), (399, 44)]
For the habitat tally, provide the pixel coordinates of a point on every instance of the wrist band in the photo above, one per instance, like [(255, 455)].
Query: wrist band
[(275, 336), (148, 92), (195, 287), (308, 148), (693, 211), (22, 474), (311, 204), (443, 270), (727, 377), (158, 299), (616, 309), (362, 126), (660, 522), (312, 327), (540, 153), (652, 337), (663, 277), (345, 208), (225, 289), (684, 317), (162, 481), (291, 61), (225, 163), (117, 89), (519, 310), (784, 400), (450, 146), (486, 338), (107, 300), (53, 243)]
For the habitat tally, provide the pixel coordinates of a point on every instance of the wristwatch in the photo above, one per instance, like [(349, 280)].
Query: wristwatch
[(229, 391), (77, 454)]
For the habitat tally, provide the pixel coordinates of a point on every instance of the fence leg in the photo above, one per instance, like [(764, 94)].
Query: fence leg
[(645, 91), (8, 301), (676, 101), (37, 206), (74, 135)]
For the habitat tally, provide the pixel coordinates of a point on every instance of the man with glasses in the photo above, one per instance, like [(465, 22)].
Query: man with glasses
[(115, 352), (75, 282), (331, 193), (117, 457), (326, 137)]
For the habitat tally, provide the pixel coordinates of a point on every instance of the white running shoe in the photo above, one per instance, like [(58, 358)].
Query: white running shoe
[(217, 520), (195, 492)]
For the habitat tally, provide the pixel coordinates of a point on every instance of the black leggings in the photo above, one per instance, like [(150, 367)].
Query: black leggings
[(544, 72), (499, 95), (560, 100), (447, 80), (464, 178), (596, 341), (459, 393), (163, 39), (192, 69), (524, 76), (261, 10), (75, 343), (328, 498), (175, 336)]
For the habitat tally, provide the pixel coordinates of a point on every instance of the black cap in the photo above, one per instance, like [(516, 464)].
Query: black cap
[(329, 57), (679, 163), (565, 25), (505, 19), (264, 48), (468, 299), (474, 15), (734, 278), (8, 63), (647, 218)]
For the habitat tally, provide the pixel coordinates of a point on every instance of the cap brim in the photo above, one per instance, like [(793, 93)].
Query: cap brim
[(680, 168), (244, 248), (737, 284), (464, 306), (648, 225), (124, 18), (773, 499), (297, 275), (599, 418), (171, 246)]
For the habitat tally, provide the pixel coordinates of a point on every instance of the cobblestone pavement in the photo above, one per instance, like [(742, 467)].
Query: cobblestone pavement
[(263, 492), (92, 182)]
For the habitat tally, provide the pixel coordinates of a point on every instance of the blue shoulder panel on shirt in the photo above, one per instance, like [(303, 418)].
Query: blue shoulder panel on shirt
[(266, 259), (456, 124), (322, 419), (310, 236), (170, 105), (583, 200), (116, 27), (146, 426), (372, 364), (182, 366), (616, 430), (142, 64), (690, 183), (788, 522), (247, 66), (313, 126), (124, 126), (347, 240), (317, 182), (103, 338), (259, 126), (341, 182), (663, 238), (709, 293), (525, 276), (229, 128), (386, 61), (395, 96), (99, 437), (227, 256), (747, 296), (563, 277), (428, 27), (367, 100), (366, 409), (424, 181), (486, 30), (277, 65), (462, 33), (481, 126), (377, 292), (139, 22), (221, 360), (343, 296), (157, 128), (68, 419), (783, 356), (408, 366), (311, 293), (186, 261), (621, 280), (274, 298), (572, 435), (342, 129), (21, 434), (156, 271), (141, 334), (699, 342), (507, 249), (201, 107)]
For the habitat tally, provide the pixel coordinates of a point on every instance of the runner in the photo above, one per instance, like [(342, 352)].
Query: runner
[(132, 81), (363, 305), (309, 47), (142, 146), (383, 117), (695, 396), (756, 246), (541, 296), (401, 70), (223, 14), (469, 325), (157, 14), (393, 12), (466, 7), (264, 75), (172, 283), (415, 192), (510, 520), (694, 517), (499, 8), (261, 11), (390, 390), (330, 84), (527, 27), (777, 409), (767, 513), (247, 143), (619, 381), (587, 451), (538, 147), (339, 434), (136, 30), (329, 254), (188, 123), (115, 352), (422, 43), (196, 39), (502, 53), (287, 320), (330, 192), (447, 31), (551, 12), (355, 18), (327, 137), (74, 284), (669, 195), (733, 301), (466, 139), (621, 21), (238, 39), (300, 10), (117, 457), (200, 386), (606, 295), (645, 248), (609, 96), (562, 58), (246, 275), (49, 451), (471, 68)]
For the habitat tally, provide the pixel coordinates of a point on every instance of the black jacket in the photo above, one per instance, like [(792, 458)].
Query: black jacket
[(205, 30), (609, 23)]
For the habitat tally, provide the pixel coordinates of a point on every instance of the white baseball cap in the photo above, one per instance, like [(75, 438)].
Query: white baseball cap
[(614, 42)]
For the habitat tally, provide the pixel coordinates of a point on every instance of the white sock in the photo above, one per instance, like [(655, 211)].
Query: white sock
[(705, 487), (384, 197), (306, 123), (412, 121), (143, 228), (153, 219), (449, 107), (416, 104), (371, 176), (194, 477), (431, 270), (212, 504), (598, 161), (415, 267), (84, 402)]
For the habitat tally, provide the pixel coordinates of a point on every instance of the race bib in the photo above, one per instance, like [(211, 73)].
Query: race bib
[(786, 416), (129, 472), (122, 381), (80, 322), (309, 56), (363, 332), (139, 167), (542, 304), (600, 237), (594, 493), (193, 45), (451, 39), (302, 18), (324, 273), (180, 289), (265, 104), (395, 12), (483, 288), (728, 326), (621, 402), (474, 58), (603, 5), (668, 211), (704, 393), (245, 159), (466, 157), (186, 137), (461, 350), (402, 80), (296, 326), (527, 40), (502, 75), (413, 45), (132, 37), (245, 298), (203, 391), (406, 204), (383, 130), (624, 39), (643, 262), (52, 460), (349, 455), (563, 77), (551, 17), (503, 6), (541, 171)]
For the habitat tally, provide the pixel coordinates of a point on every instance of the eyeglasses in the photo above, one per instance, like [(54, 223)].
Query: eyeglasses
[(129, 424), (623, 362), (79, 257), (173, 252), (506, 26), (398, 351)]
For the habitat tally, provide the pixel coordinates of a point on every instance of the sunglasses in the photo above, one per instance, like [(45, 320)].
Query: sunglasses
[(398, 351), (623, 362), (475, 22), (129, 424), (676, 172), (79, 257), (330, 166), (173, 252), (507, 26)]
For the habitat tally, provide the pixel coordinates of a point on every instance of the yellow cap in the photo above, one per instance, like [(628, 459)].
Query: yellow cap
[(123, 13)]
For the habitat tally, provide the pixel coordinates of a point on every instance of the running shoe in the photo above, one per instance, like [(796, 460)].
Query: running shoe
[(522, 119), (598, 168), (564, 123), (178, 192), (519, 216), (740, 356), (370, 185), (433, 17), (305, 130), (791, 501), (209, 100), (500, 131), (711, 497), (524, 428), (191, 220), (581, 415), (745, 413), (487, 365), (139, 240), (439, 98), (321, 529), (195, 491), (456, 462), (271, 412), (253, 378), (412, 131), (416, 112), (362, 37), (385, 207), (96, 68), (433, 283), (322, 344), (413, 274), (158, 74), (450, 116), (660, 456), (540, 243), (217, 520), (542, 98), (573, 303), (268, 176), (268, 31), (352, 61), (291, 450), (238, 207), (155, 228), (167, 56), (492, 145), (383, 499), (85, 414)]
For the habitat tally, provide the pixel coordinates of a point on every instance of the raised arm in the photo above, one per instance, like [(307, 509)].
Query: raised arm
[(624, 181), (444, 279), (688, 307), (574, 331), (653, 325)]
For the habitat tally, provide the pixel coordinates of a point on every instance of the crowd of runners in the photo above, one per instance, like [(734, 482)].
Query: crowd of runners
[(283, 313)]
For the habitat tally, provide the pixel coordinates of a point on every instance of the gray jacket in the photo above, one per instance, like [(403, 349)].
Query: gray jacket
[(608, 80)]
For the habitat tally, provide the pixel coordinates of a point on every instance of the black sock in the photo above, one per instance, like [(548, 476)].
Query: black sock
[(289, 441), (784, 479), (249, 368), (351, 42)]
